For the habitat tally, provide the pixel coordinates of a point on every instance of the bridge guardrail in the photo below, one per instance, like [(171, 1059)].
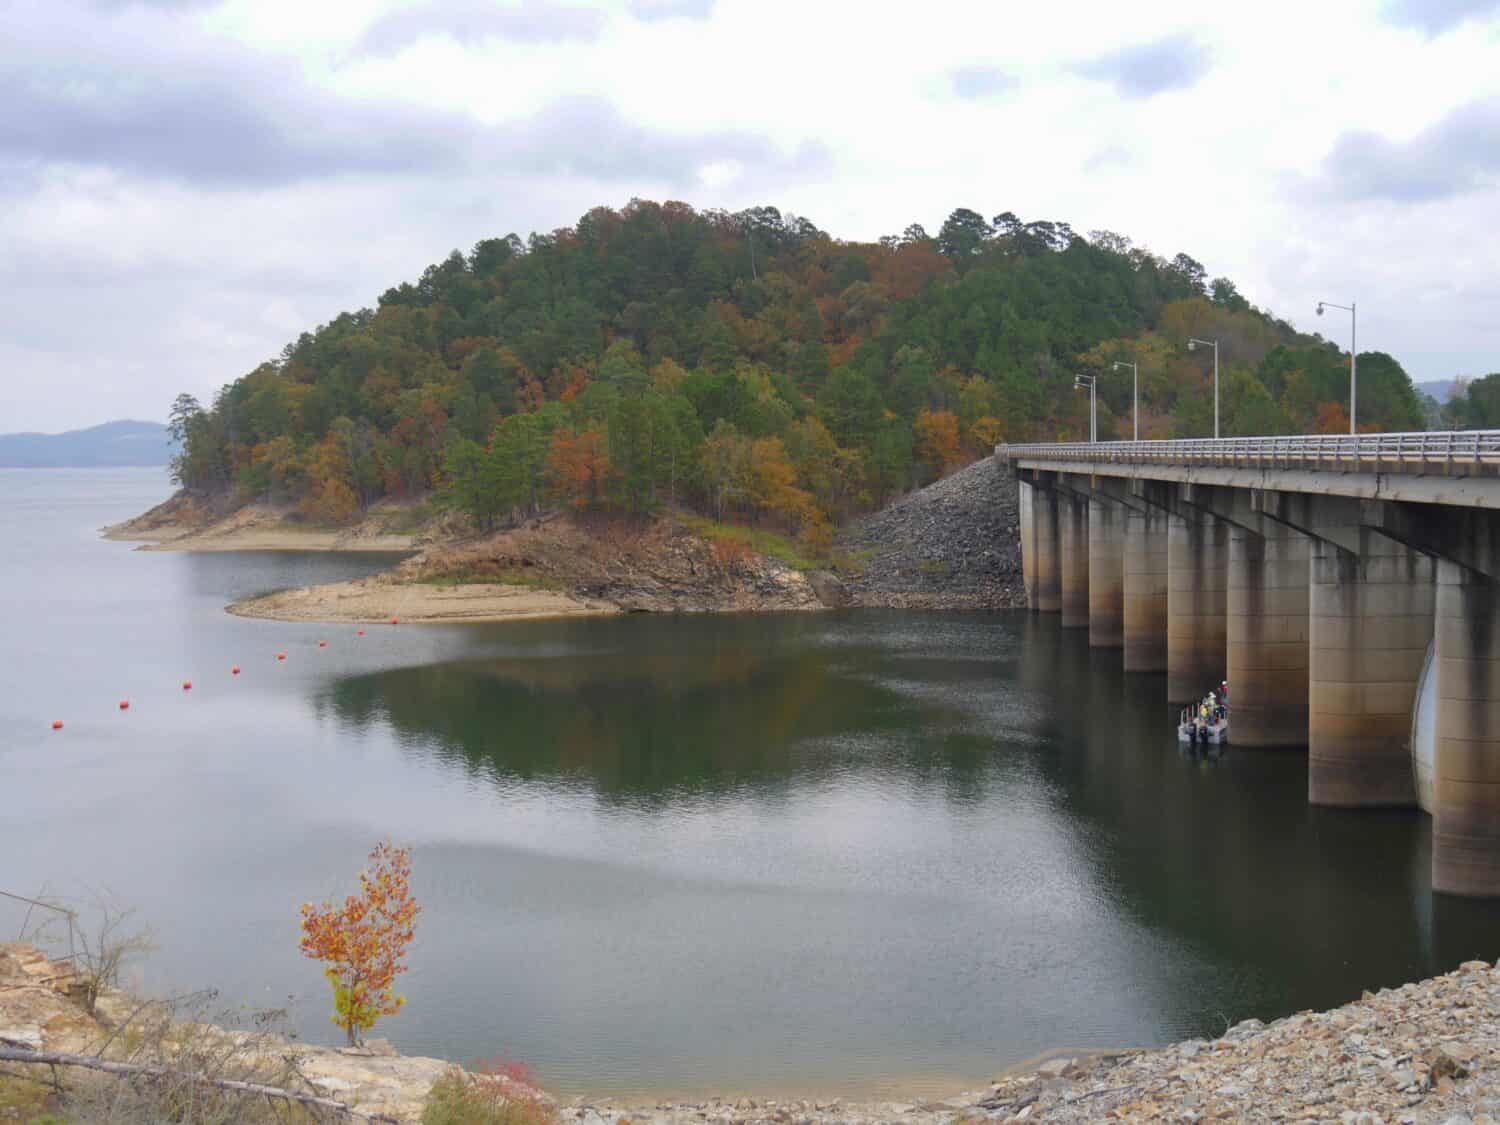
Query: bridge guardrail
[(1446, 450)]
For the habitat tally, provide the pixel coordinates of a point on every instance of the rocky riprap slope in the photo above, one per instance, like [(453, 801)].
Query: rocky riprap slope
[(953, 545)]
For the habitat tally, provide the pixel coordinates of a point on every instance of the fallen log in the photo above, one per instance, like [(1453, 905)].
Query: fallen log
[(143, 1070)]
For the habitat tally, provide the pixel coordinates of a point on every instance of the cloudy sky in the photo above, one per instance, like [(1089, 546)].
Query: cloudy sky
[(187, 184)]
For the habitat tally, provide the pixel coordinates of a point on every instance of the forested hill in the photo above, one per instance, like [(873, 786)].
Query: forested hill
[(753, 367)]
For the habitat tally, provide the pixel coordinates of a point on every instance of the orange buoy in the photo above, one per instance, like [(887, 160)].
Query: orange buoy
[(57, 724), (124, 705), (395, 620), (187, 685), (235, 671), (281, 656), (322, 644), (360, 632)]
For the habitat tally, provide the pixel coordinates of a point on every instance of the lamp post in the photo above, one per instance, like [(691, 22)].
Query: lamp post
[(1353, 353), (1081, 382), (1135, 398), (1193, 343)]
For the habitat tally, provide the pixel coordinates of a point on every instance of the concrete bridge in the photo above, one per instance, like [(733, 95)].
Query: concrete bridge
[(1347, 587)]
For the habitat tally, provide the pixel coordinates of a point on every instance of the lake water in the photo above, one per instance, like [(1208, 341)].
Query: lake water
[(844, 852)]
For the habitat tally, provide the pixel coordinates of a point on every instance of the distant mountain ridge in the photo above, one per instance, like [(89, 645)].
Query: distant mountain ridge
[(123, 443)]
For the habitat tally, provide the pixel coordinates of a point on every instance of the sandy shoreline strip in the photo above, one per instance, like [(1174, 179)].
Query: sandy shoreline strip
[(376, 600), (258, 538)]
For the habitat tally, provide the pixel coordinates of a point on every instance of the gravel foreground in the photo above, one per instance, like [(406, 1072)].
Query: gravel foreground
[(1424, 1052), (952, 545)]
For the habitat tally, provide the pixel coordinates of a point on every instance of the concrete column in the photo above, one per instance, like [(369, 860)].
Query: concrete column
[(1267, 637), (1024, 497), (1466, 822), (1145, 600), (1106, 575), (1073, 540), (1046, 550), (1197, 587), (1370, 621)]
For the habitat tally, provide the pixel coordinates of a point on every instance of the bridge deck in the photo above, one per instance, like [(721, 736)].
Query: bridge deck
[(1447, 453), (1456, 468)]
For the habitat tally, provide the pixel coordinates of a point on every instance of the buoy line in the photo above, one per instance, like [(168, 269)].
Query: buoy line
[(187, 685)]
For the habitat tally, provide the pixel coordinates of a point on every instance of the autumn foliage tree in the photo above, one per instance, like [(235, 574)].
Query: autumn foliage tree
[(578, 465), (938, 446), (656, 355), (362, 943)]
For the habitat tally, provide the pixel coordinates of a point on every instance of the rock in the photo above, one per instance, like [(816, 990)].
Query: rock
[(1055, 1068), (1244, 1030), (1444, 1065), (829, 589), (22, 1037), (951, 545)]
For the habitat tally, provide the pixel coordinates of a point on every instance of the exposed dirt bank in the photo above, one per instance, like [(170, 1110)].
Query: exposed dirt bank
[(189, 523), (381, 598), (952, 545), (559, 566)]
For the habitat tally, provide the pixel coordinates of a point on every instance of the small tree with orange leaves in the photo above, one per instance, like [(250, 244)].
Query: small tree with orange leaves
[(362, 943)]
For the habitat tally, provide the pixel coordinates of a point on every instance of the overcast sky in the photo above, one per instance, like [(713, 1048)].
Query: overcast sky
[(187, 184)]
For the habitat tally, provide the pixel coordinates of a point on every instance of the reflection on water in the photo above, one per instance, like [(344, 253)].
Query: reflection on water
[(831, 852)]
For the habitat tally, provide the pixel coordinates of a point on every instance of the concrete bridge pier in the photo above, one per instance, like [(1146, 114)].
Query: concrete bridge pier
[(1197, 585), (1145, 594), (1106, 574), (1073, 541), (1370, 619), (1025, 496), (1266, 635), (1046, 550), (1466, 820)]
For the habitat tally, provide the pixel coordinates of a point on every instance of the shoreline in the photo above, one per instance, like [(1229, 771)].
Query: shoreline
[(1425, 1051), (181, 523), (258, 538), (379, 599)]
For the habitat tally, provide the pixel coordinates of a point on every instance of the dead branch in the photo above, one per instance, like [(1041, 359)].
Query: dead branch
[(141, 1070)]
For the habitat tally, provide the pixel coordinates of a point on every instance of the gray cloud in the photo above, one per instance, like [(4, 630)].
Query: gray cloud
[(217, 129), (1173, 63), (204, 112), (471, 22), (978, 81), (1437, 16), (652, 10), (1457, 154), (589, 137)]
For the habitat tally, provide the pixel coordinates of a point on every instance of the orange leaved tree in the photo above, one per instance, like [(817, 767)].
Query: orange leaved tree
[(362, 943)]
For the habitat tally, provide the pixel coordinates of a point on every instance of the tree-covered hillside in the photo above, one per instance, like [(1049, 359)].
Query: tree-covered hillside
[(751, 366)]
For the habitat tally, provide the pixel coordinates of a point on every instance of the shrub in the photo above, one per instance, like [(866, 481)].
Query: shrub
[(461, 1098)]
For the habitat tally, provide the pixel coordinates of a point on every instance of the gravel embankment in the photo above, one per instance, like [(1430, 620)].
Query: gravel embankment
[(952, 545)]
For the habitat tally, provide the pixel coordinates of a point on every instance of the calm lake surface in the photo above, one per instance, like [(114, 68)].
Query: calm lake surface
[(843, 852)]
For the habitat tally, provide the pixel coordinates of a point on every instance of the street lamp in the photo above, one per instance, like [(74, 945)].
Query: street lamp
[(1193, 343), (1135, 399), (1353, 353), (1081, 382)]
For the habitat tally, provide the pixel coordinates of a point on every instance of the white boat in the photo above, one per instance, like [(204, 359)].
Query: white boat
[(1195, 731)]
